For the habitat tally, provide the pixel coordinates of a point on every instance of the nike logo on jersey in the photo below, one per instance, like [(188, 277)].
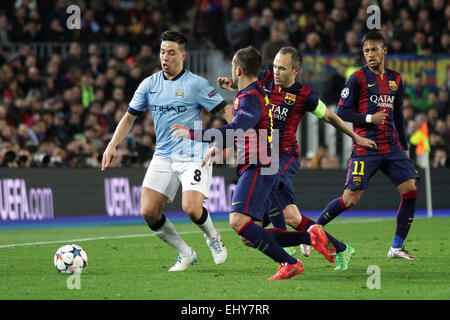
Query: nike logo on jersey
[(371, 84), (235, 203), (193, 184), (153, 92)]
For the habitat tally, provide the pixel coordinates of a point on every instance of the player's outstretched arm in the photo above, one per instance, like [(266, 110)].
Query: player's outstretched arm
[(248, 116), (182, 131), (124, 126), (338, 123)]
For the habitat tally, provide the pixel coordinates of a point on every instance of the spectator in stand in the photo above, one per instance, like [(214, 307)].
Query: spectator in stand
[(46, 103), (272, 46), (235, 29), (293, 26), (74, 57), (405, 32), (440, 159), (432, 116), (418, 94), (252, 9), (443, 103), (329, 37), (90, 28), (341, 22), (313, 44), (436, 11), (278, 9), (419, 46), (443, 46), (255, 34), (351, 45), (268, 18), (389, 14), (4, 37), (396, 46), (335, 85)]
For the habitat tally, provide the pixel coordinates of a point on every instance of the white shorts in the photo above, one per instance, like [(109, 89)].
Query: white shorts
[(164, 175)]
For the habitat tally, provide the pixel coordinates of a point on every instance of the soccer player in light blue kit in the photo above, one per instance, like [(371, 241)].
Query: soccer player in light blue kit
[(174, 95)]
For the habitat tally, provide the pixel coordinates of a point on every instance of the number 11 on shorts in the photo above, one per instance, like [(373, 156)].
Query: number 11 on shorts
[(361, 168)]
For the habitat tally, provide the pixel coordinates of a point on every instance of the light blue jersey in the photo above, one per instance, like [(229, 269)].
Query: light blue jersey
[(176, 101)]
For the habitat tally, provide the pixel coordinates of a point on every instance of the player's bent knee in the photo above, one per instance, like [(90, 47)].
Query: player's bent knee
[(193, 210), (151, 215), (292, 216), (237, 221), (293, 221), (350, 202), (234, 225), (351, 198), (407, 186)]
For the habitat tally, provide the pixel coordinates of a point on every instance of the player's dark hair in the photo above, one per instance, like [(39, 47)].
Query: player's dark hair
[(373, 35), (175, 37), (249, 59), (296, 56)]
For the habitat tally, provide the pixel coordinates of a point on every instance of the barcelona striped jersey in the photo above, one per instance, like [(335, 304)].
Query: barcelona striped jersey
[(288, 106), (252, 116), (367, 93)]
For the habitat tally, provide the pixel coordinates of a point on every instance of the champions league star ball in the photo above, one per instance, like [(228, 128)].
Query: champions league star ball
[(70, 258)]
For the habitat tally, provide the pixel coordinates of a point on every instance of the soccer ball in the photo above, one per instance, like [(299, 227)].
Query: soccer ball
[(70, 258)]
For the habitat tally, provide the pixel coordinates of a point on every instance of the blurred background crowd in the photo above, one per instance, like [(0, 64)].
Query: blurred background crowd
[(60, 111)]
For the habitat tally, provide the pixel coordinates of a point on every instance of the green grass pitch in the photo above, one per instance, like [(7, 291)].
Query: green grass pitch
[(129, 262)]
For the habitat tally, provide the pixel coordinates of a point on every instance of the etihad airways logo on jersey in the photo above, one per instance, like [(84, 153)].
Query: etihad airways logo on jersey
[(166, 109), (383, 100), (279, 112)]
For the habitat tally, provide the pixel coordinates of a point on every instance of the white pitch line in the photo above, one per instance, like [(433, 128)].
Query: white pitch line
[(93, 239), (342, 221), (360, 220)]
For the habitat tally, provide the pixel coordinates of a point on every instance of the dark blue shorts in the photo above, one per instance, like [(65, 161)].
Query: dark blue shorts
[(397, 167), (289, 166), (252, 193)]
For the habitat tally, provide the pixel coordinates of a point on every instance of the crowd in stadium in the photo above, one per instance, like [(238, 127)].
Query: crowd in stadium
[(60, 112)]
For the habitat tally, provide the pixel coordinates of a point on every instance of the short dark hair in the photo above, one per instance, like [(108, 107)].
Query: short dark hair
[(249, 59), (373, 35), (296, 56), (175, 37)]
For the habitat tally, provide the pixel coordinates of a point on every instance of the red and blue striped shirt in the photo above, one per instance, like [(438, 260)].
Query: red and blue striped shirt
[(289, 106), (367, 93), (252, 116)]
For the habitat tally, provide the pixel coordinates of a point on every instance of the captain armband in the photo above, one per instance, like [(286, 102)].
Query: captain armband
[(320, 110)]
